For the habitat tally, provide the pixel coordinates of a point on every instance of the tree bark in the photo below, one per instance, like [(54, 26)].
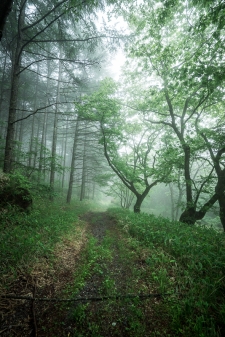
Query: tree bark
[(221, 200), (220, 186), (37, 143), (65, 153), (189, 214), (54, 137), (8, 158), (72, 167), (141, 196), (220, 190), (137, 205), (83, 175), (31, 146), (44, 128), (2, 117)]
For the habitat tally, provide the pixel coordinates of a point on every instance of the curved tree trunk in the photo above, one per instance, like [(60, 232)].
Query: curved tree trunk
[(221, 200), (190, 216), (220, 190), (139, 199)]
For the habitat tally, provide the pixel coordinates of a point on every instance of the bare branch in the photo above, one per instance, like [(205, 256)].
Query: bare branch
[(158, 122), (71, 40), (83, 63), (39, 110), (44, 16), (202, 185)]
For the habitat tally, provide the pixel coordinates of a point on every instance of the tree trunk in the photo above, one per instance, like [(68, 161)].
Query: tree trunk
[(2, 117), (179, 199), (31, 146), (190, 217), (139, 200), (220, 190), (72, 167), (42, 147), (221, 200), (64, 153), (37, 144), (93, 190), (189, 214), (54, 138), (8, 157), (83, 176), (173, 207), (20, 139), (44, 128)]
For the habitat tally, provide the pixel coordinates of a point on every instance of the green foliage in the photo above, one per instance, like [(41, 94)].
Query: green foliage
[(129, 147), (175, 80), (102, 104), (188, 261), (109, 268), (25, 238), (15, 191), (17, 180), (212, 15)]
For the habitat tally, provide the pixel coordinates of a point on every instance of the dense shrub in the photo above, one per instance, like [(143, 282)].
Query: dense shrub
[(15, 191)]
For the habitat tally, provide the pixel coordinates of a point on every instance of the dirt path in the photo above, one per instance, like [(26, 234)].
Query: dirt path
[(118, 269), (100, 262), (99, 223), (112, 267)]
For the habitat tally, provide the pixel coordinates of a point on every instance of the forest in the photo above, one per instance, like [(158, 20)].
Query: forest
[(112, 162)]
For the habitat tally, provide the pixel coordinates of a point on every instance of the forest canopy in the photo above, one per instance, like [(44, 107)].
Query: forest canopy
[(68, 125)]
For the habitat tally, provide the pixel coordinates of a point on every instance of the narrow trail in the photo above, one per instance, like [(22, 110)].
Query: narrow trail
[(101, 261), (117, 270), (114, 268)]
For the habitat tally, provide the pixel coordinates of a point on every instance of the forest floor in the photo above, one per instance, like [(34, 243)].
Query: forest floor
[(101, 267)]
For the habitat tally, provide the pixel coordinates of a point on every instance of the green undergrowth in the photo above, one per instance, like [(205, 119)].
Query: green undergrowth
[(25, 237), (92, 260), (113, 268), (186, 261)]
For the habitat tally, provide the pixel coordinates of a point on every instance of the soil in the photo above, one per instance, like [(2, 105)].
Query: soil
[(99, 223), (87, 318)]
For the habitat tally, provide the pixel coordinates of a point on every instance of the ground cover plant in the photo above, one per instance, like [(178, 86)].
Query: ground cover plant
[(188, 261), (26, 236), (110, 269), (127, 274), (35, 252)]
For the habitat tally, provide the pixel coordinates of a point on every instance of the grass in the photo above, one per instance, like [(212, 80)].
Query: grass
[(108, 269), (188, 261), (139, 254), (26, 237)]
